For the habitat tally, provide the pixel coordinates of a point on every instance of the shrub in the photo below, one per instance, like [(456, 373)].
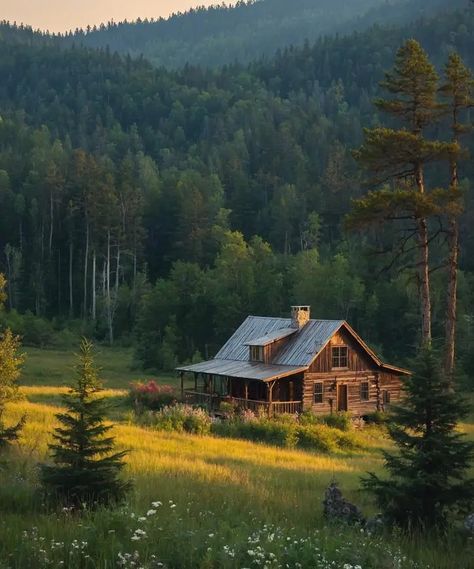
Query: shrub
[(149, 395), (248, 426), (341, 421), (376, 418), (318, 438), (180, 418)]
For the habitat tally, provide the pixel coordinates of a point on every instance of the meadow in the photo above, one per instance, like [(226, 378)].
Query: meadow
[(198, 501)]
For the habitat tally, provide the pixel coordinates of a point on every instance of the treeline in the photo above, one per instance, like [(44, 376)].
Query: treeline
[(115, 176), (220, 35)]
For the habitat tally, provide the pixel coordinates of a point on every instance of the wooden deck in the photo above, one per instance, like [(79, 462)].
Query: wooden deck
[(212, 402)]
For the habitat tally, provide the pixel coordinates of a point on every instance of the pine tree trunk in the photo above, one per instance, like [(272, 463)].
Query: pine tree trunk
[(424, 266), (451, 308), (452, 299), (424, 282)]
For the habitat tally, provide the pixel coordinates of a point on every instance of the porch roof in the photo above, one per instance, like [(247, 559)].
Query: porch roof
[(243, 370)]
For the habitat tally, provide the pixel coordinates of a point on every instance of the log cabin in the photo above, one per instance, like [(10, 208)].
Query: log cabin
[(288, 365)]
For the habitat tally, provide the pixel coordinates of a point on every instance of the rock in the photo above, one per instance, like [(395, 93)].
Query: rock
[(469, 523), (375, 524), (337, 508)]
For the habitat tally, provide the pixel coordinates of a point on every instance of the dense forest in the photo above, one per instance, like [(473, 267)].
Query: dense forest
[(243, 31), (161, 207)]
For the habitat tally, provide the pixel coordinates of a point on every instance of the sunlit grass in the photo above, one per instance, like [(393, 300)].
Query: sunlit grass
[(222, 486)]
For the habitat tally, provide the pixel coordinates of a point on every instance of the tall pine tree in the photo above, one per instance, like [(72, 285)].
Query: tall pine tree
[(85, 469), (400, 155), (458, 94), (428, 475)]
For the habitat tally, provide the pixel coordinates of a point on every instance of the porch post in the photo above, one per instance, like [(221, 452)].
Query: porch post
[(182, 384), (246, 390), (270, 385)]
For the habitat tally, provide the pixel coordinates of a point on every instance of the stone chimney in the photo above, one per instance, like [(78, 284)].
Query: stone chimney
[(300, 316)]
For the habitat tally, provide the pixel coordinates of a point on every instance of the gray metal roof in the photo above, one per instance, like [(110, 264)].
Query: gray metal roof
[(300, 349), (246, 370), (271, 337)]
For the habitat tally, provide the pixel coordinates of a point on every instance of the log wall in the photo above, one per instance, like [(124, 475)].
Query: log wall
[(360, 369)]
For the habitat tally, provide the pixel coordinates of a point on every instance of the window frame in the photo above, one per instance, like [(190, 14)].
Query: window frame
[(257, 354), (386, 396), (339, 358), (320, 395), (364, 391)]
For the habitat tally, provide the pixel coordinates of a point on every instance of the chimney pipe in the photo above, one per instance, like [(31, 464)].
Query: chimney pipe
[(300, 316)]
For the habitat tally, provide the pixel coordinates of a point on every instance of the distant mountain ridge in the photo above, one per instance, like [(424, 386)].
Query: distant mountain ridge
[(246, 31)]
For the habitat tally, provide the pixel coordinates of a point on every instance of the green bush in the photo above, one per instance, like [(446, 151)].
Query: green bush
[(341, 421), (376, 418), (180, 418), (320, 438)]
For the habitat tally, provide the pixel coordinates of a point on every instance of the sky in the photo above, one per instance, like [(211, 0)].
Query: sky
[(63, 15)]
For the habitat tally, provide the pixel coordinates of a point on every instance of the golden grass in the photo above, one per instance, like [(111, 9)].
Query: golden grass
[(240, 481)]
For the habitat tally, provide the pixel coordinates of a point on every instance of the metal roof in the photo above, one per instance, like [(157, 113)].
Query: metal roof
[(245, 370), (296, 354), (271, 337), (300, 349)]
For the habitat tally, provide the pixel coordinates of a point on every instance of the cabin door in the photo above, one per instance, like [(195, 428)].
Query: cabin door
[(342, 398)]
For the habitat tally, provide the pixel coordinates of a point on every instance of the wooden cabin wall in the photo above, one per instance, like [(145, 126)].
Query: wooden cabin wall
[(378, 383), (358, 359), (393, 384)]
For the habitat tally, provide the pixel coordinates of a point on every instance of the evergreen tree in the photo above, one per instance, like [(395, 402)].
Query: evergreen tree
[(11, 361), (402, 154), (458, 92), (427, 482), (85, 468)]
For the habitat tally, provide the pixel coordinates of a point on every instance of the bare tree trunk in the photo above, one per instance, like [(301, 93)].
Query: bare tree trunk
[(94, 291), (51, 222), (9, 276), (59, 280), (71, 298), (86, 265), (424, 266), (108, 300)]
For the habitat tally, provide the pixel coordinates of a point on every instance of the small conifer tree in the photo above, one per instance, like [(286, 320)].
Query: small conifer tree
[(85, 469), (428, 480)]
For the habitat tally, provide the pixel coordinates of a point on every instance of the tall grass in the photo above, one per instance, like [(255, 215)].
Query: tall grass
[(224, 503), (225, 488)]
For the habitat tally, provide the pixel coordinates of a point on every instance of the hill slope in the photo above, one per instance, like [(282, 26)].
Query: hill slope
[(157, 167), (218, 35)]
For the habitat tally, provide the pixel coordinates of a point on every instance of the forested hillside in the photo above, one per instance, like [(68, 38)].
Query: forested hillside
[(166, 205), (247, 30)]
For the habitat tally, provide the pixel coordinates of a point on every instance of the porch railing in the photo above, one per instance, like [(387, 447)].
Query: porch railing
[(212, 402)]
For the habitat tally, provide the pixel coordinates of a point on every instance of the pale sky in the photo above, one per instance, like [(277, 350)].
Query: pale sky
[(63, 15)]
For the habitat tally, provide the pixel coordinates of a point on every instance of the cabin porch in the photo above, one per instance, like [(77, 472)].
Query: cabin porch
[(284, 395)]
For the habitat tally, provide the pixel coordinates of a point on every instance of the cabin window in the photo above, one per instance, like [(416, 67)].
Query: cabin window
[(340, 357), (256, 353), (318, 392), (386, 397), (364, 391)]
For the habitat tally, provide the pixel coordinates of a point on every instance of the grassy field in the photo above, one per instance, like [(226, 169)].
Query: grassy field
[(198, 502)]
